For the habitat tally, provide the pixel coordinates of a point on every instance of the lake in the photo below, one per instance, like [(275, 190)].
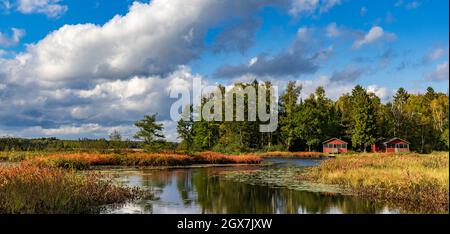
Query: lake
[(206, 190)]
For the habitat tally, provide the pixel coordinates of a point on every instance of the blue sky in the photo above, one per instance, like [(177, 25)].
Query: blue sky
[(84, 68)]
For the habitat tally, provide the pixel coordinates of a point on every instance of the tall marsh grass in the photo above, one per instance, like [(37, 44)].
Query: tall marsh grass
[(418, 183), (31, 190), (82, 161)]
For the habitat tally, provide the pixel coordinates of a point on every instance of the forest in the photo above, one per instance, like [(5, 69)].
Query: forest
[(358, 117)]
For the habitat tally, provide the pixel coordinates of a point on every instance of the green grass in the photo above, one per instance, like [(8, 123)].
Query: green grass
[(417, 183)]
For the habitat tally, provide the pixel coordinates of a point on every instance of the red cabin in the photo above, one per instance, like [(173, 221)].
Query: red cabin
[(394, 145), (334, 145)]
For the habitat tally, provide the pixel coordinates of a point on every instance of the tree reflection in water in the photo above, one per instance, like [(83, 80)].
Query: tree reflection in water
[(203, 190)]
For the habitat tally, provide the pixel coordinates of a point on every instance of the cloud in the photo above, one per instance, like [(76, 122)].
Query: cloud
[(237, 38), (14, 39), (383, 93), (92, 111), (5, 5), (332, 30), (413, 5), (434, 54), (440, 73), (336, 89), (280, 65), (408, 5), (333, 90), (309, 7), (375, 33), (151, 39), (51, 8), (348, 75), (328, 4), (293, 61), (385, 58)]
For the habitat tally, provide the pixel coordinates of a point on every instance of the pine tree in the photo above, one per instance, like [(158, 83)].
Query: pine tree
[(288, 109), (364, 130), (150, 131)]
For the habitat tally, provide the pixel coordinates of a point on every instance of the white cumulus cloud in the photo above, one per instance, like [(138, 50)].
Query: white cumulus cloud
[(375, 33)]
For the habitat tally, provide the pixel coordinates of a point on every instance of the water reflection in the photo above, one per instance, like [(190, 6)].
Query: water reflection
[(203, 190)]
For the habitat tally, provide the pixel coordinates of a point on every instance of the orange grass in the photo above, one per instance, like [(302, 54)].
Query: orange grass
[(218, 158), (85, 160), (420, 183)]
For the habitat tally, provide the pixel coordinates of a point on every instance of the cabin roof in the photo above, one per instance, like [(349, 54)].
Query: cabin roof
[(332, 139), (387, 140), (396, 138)]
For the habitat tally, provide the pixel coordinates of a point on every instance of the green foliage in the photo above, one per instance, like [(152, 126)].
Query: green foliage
[(150, 132), (445, 137), (185, 129), (364, 129), (52, 144), (288, 110)]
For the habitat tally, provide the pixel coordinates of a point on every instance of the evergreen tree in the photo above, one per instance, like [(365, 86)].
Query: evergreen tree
[(150, 131), (288, 110), (364, 130), (185, 129)]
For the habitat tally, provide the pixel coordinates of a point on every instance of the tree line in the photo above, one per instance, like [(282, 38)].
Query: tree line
[(359, 118), (40, 144)]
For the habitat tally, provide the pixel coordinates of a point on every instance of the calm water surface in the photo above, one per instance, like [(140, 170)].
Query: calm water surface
[(205, 190)]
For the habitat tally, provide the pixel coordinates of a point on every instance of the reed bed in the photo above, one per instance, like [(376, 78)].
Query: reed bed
[(17, 156), (417, 183), (81, 161), (286, 154), (39, 190), (209, 157)]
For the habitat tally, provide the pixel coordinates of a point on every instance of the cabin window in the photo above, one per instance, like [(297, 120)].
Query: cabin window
[(335, 146), (391, 145)]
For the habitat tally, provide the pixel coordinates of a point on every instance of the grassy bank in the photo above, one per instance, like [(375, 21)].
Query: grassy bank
[(28, 189), (418, 183), (82, 161)]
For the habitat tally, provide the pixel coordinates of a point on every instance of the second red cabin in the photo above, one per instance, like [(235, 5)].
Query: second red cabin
[(394, 145), (334, 145)]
